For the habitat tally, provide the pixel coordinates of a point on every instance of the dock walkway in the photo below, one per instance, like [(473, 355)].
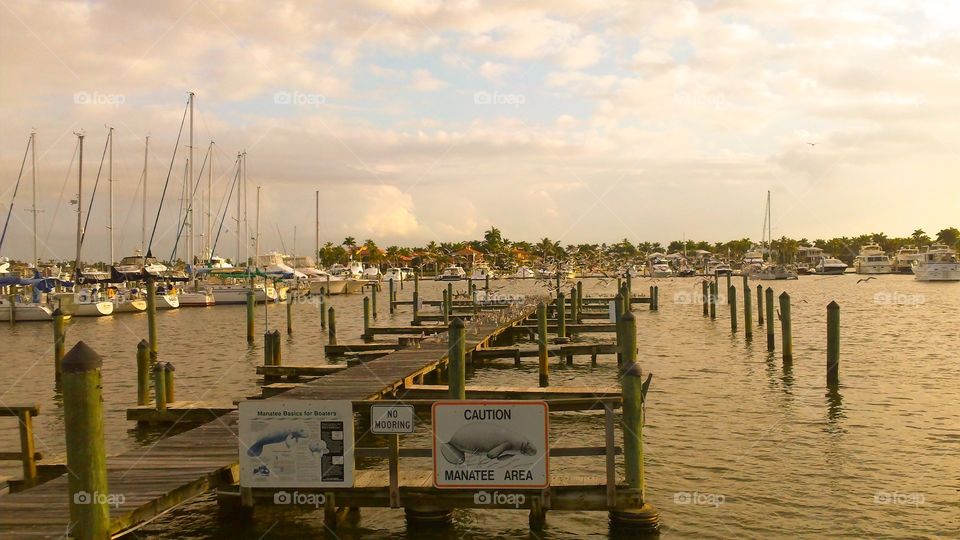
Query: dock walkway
[(149, 481)]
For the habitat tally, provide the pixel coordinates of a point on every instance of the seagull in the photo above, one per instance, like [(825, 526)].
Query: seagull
[(812, 143), (865, 279)]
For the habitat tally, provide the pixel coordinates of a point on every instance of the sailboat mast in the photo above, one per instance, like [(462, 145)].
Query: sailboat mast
[(316, 231), (256, 237), (237, 264), (76, 262), (246, 223), (33, 168), (190, 239), (143, 217), (110, 185), (208, 252), (770, 225)]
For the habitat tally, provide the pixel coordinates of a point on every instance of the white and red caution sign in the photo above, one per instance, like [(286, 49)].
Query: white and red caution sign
[(495, 444)]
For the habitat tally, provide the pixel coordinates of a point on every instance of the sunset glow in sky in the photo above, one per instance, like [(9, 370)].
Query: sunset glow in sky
[(582, 121)]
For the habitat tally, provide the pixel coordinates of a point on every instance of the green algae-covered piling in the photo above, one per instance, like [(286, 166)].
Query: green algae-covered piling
[(152, 319), (786, 328), (86, 454), (160, 387), (251, 300), (542, 342)]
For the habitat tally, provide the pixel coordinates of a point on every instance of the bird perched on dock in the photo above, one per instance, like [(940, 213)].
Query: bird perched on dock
[(865, 279)]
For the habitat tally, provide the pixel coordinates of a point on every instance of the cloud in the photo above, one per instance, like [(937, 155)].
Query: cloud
[(424, 81), (494, 72)]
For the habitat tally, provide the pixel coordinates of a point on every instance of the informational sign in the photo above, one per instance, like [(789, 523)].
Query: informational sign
[(495, 444), (296, 443), (387, 419)]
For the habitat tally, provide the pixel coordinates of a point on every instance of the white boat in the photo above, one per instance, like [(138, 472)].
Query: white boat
[(721, 268), (236, 293), (83, 303), (393, 274), (830, 266), (524, 272), (408, 273), (452, 273), (660, 270), (481, 272), (126, 300), (937, 263), (776, 271), (872, 260), (320, 282), (24, 311), (903, 260), (198, 297), (371, 274)]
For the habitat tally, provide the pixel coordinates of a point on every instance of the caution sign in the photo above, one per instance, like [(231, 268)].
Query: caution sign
[(496, 444), (296, 443), (391, 419)]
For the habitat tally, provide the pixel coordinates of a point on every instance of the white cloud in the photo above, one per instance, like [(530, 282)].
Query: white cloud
[(424, 81)]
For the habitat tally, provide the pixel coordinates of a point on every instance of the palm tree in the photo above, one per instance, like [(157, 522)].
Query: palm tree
[(949, 236), (919, 236), (351, 243)]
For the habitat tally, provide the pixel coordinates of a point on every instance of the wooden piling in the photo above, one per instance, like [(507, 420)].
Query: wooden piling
[(713, 300), (152, 319), (770, 325), (656, 298), (542, 342), (59, 337), (416, 308), (275, 343), (86, 454), (366, 319), (639, 514), (561, 315), (747, 309), (251, 303), (486, 282), (574, 316), (759, 305), (373, 299), (159, 387), (143, 373), (268, 348), (786, 329), (445, 307), (331, 326), (323, 311), (579, 302), (732, 302), (833, 343), (391, 292), (456, 354), (705, 297), (617, 315), (289, 315), (168, 387)]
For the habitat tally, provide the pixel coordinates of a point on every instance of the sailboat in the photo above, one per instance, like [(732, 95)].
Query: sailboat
[(16, 307), (195, 295), (85, 300), (770, 270)]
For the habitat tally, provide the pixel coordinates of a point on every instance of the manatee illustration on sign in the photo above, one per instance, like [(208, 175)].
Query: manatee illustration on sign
[(490, 444)]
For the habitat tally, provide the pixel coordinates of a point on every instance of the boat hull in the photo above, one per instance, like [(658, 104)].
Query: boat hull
[(25, 312), (355, 286), (867, 269), (947, 272), (130, 306), (167, 301), (334, 286), (831, 271), (196, 299), (238, 295), (90, 309)]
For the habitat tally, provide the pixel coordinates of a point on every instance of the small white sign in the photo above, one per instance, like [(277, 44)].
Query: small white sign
[(490, 444), (296, 443), (391, 419)]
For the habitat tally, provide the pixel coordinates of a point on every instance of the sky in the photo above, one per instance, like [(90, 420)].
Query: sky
[(577, 120)]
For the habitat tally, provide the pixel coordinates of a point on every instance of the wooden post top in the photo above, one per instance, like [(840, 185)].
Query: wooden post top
[(81, 358)]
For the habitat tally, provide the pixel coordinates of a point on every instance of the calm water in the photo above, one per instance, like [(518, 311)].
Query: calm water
[(737, 444)]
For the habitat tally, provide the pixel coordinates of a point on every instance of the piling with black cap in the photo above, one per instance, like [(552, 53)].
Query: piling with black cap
[(456, 354)]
